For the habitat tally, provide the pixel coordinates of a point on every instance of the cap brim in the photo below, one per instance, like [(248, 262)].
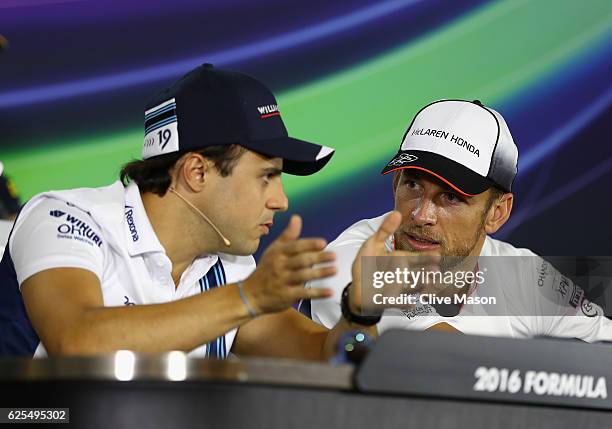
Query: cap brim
[(455, 175), (300, 157)]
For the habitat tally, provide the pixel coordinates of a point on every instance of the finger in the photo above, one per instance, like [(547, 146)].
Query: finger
[(293, 229), (308, 259), (311, 293), (388, 227), (302, 276), (296, 247)]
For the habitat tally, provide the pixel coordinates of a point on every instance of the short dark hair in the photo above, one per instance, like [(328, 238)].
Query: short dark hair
[(495, 195), (153, 174)]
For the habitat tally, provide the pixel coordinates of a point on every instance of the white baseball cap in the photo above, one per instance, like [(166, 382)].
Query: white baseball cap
[(463, 143)]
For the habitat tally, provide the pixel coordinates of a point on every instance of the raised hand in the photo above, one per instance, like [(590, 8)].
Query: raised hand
[(375, 247), (278, 281)]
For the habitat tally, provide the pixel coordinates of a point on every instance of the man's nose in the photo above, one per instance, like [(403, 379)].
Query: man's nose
[(424, 213), (279, 200)]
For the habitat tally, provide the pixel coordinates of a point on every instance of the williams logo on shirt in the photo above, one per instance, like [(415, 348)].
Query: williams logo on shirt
[(74, 228)]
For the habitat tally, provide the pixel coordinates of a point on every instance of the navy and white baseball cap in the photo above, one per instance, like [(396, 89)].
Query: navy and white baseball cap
[(210, 106), (463, 143)]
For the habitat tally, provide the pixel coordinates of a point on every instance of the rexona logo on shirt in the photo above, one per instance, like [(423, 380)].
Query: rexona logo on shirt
[(129, 217), (74, 228), (268, 111)]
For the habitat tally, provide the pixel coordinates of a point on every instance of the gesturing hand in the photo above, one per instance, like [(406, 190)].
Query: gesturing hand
[(375, 246), (278, 281)]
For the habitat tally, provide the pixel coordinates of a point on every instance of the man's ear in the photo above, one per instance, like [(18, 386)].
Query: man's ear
[(499, 212), (191, 171)]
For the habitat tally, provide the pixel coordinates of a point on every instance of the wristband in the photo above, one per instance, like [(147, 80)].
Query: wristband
[(351, 317), (245, 301)]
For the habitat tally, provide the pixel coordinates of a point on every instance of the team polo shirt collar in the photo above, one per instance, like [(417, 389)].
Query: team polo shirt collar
[(141, 240), (139, 233)]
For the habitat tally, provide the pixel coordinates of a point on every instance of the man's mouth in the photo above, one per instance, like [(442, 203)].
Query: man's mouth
[(418, 242), (265, 227)]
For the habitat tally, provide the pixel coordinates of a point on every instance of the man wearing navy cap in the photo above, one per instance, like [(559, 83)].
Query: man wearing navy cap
[(161, 259), (453, 181)]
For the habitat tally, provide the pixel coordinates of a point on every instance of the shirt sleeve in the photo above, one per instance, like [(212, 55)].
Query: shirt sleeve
[(50, 233), (563, 309)]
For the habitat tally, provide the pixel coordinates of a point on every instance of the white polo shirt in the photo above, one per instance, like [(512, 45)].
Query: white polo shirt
[(533, 298), (106, 231)]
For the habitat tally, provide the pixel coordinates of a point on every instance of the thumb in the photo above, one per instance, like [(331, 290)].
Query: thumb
[(390, 224), (293, 229)]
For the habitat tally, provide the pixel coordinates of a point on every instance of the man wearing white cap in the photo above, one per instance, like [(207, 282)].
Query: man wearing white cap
[(452, 185)]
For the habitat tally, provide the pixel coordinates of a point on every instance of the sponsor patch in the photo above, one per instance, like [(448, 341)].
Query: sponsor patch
[(74, 228), (445, 135), (588, 308), (161, 130), (129, 217), (544, 272), (421, 310), (563, 287), (577, 295), (268, 111), (404, 158)]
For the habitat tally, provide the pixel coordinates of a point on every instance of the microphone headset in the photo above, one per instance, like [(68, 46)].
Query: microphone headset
[(198, 211)]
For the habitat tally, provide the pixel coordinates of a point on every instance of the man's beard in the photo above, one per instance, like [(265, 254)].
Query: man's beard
[(450, 257)]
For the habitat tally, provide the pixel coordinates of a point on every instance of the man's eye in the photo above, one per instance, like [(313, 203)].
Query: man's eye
[(453, 198), (411, 184)]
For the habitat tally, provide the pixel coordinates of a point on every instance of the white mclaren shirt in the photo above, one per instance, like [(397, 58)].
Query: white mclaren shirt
[(106, 231), (532, 297)]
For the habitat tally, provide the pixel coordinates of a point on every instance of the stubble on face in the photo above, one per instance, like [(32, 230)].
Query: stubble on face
[(241, 199), (453, 251)]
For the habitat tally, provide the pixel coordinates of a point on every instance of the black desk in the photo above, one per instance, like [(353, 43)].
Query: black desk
[(249, 393)]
